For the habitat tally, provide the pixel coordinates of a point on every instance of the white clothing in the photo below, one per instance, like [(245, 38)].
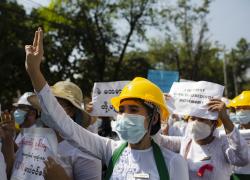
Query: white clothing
[(244, 169), (140, 161), (178, 128), (2, 165), (78, 164), (221, 153)]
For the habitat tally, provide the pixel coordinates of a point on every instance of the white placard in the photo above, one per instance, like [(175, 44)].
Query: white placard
[(35, 147), (191, 98), (102, 93)]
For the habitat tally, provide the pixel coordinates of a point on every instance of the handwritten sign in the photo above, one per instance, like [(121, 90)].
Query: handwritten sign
[(102, 93), (163, 79), (35, 146), (191, 98)]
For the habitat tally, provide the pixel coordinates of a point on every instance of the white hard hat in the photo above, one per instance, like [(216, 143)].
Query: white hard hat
[(23, 100)]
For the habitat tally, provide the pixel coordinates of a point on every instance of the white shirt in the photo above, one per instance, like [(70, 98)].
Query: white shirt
[(3, 175), (221, 153), (103, 148), (78, 164), (178, 128), (244, 169)]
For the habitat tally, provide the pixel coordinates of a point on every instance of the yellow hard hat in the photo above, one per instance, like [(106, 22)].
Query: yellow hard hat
[(143, 89), (242, 100)]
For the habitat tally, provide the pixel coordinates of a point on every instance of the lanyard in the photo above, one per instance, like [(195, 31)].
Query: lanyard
[(159, 159)]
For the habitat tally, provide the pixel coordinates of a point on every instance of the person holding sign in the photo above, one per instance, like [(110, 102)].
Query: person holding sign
[(209, 157), (140, 105), (241, 104)]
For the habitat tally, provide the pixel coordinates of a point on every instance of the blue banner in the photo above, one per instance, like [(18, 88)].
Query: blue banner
[(163, 79)]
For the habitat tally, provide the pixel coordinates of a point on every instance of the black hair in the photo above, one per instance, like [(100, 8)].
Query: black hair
[(105, 130)]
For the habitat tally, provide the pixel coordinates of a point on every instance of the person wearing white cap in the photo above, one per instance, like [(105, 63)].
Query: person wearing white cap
[(26, 114), (141, 108), (209, 157)]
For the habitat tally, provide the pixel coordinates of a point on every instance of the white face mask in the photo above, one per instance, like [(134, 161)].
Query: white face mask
[(243, 116), (130, 127), (198, 130)]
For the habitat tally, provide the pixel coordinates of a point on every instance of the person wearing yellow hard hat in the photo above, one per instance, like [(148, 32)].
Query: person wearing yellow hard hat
[(241, 104), (140, 107), (210, 156)]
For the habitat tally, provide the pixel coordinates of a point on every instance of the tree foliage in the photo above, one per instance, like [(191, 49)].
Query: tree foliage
[(89, 41), (14, 34)]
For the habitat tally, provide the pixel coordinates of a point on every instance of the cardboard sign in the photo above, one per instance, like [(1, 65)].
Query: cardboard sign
[(102, 93), (191, 98), (35, 147), (163, 79)]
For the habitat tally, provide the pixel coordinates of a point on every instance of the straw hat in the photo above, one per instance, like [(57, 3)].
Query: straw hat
[(69, 91)]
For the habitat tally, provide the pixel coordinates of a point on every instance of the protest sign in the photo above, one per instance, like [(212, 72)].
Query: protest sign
[(102, 93), (191, 98), (35, 146), (163, 79)]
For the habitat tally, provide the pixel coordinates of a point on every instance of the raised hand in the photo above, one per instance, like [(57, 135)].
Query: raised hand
[(89, 107), (219, 106), (34, 53), (7, 126)]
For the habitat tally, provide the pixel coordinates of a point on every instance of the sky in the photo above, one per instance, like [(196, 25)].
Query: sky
[(228, 20)]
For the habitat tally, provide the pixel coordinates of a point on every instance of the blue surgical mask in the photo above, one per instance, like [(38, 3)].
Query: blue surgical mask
[(233, 117), (243, 116), (19, 116), (130, 127)]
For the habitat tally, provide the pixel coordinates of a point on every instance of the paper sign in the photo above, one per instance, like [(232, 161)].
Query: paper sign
[(163, 79), (102, 93), (191, 98), (35, 146)]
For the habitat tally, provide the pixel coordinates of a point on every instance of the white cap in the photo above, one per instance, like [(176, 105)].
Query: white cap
[(23, 100)]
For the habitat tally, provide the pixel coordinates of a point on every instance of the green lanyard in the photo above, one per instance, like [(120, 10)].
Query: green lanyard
[(159, 159)]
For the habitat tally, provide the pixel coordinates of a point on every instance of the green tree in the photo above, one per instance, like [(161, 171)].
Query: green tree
[(238, 63), (186, 47), (14, 33), (83, 41)]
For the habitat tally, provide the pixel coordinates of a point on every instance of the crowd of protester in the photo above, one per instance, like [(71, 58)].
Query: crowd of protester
[(146, 140)]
